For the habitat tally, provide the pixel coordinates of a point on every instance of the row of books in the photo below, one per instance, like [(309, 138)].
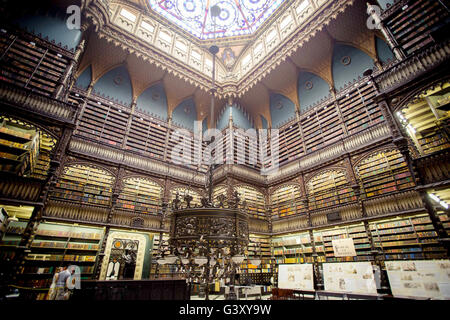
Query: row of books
[(414, 33), (69, 234), (56, 257), (51, 270), (31, 63), (65, 245)]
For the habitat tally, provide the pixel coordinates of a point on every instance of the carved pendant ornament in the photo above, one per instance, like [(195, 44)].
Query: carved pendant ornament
[(213, 224)]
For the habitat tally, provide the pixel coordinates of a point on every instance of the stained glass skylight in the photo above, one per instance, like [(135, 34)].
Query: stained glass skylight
[(237, 17)]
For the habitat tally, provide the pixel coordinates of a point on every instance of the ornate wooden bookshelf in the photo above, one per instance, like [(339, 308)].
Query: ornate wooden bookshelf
[(85, 184), (55, 244), (329, 189), (411, 237), (312, 133), (323, 242), (258, 248), (31, 62), (255, 201), (384, 172), (285, 201), (414, 23), (140, 196), (293, 248), (24, 149), (243, 150), (291, 143), (433, 141), (161, 271), (104, 121), (358, 109), (147, 136)]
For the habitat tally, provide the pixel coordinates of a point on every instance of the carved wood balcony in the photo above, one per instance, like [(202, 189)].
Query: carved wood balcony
[(433, 169), (414, 66), (28, 101)]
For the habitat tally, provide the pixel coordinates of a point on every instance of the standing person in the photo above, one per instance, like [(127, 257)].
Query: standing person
[(52, 291), (61, 284)]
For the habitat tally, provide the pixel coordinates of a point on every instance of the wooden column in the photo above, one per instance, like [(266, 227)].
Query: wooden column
[(377, 258), (81, 108), (338, 108), (48, 183), (304, 199), (169, 126), (67, 80), (130, 120), (114, 196), (354, 183), (398, 52), (297, 114)]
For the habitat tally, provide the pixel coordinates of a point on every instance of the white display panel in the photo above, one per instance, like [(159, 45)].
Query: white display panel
[(296, 276), (420, 278), (352, 277), (343, 247)]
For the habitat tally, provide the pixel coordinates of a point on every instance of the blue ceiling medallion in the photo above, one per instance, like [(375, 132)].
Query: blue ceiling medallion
[(346, 60), (118, 80), (279, 105)]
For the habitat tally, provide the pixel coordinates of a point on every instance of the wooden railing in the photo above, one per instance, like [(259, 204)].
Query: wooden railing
[(433, 168), (27, 100), (395, 203), (413, 66)]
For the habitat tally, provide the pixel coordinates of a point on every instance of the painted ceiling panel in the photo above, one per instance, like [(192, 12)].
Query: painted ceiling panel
[(237, 17)]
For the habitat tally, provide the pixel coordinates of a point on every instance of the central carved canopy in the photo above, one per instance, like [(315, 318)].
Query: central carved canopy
[(219, 226)]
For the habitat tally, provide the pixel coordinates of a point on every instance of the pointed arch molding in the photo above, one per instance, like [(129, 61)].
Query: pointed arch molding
[(282, 109), (312, 175), (134, 45), (245, 185), (371, 153), (285, 185), (115, 83), (153, 100), (77, 162), (141, 177)]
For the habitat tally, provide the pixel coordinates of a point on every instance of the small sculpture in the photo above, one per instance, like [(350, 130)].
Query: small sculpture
[(221, 198), (188, 198), (236, 199), (176, 202), (244, 205), (205, 202)]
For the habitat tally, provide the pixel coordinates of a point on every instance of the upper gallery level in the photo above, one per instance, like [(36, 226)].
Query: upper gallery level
[(318, 97)]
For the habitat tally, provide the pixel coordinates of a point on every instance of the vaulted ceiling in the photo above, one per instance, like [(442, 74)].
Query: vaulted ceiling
[(315, 56)]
